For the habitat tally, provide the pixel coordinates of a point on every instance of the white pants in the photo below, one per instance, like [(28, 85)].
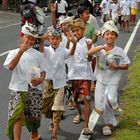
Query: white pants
[(106, 100)]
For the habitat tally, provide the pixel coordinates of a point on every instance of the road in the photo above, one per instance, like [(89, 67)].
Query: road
[(9, 34)]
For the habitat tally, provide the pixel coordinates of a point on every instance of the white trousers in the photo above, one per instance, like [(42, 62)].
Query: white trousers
[(106, 100)]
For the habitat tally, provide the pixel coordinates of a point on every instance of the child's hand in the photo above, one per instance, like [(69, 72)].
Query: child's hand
[(53, 8), (71, 37), (73, 40), (44, 37), (37, 81), (112, 65), (89, 43), (24, 46)]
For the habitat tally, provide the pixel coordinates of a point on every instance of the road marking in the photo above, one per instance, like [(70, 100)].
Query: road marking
[(127, 46), (10, 25), (4, 53)]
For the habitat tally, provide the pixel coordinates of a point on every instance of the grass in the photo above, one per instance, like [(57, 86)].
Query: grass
[(129, 128)]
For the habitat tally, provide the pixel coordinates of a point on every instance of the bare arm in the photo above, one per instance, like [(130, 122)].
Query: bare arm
[(53, 15), (42, 40), (74, 42), (93, 51), (115, 66)]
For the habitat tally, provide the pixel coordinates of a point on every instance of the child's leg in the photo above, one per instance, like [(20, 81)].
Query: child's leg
[(111, 104), (56, 121), (86, 112), (15, 114), (17, 128), (33, 112)]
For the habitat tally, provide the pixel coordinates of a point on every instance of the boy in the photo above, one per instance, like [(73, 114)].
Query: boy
[(21, 61), (80, 73), (55, 56), (111, 59)]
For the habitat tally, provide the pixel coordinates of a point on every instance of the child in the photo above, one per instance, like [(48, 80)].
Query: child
[(134, 11), (111, 59), (55, 56), (24, 98), (114, 11), (80, 73), (105, 8), (125, 11)]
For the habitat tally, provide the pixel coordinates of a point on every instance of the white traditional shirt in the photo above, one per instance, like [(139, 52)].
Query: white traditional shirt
[(79, 68), (114, 9), (55, 65), (105, 5), (103, 73), (20, 74), (61, 8), (125, 5)]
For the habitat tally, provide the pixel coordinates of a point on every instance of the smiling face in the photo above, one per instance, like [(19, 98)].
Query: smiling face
[(30, 40), (78, 32), (110, 37), (54, 41)]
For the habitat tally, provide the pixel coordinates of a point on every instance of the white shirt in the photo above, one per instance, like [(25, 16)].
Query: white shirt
[(114, 9), (55, 65), (105, 5), (61, 8), (103, 73), (125, 5), (134, 4), (20, 74), (79, 68)]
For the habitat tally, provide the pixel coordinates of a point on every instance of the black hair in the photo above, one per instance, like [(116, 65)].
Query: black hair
[(82, 9), (70, 14)]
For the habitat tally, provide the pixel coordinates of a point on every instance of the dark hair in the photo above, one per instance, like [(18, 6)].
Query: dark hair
[(70, 14), (82, 9)]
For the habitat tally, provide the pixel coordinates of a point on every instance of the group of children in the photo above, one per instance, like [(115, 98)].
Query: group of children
[(31, 68), (121, 11)]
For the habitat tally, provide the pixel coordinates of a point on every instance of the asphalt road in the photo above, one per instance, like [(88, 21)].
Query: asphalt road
[(9, 34)]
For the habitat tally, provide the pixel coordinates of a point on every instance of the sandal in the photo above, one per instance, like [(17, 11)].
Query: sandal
[(77, 119), (71, 105), (107, 131), (87, 132)]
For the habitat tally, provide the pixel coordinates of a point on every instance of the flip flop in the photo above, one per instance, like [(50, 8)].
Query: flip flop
[(107, 131), (87, 132), (77, 119)]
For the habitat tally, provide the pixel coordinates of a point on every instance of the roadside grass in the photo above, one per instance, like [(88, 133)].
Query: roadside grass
[(129, 128)]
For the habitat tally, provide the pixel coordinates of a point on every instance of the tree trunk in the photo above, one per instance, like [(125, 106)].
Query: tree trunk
[(5, 4)]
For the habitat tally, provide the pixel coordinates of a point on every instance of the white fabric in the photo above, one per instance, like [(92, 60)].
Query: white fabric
[(20, 74), (103, 73), (55, 65), (105, 5), (108, 114), (114, 9), (59, 101), (100, 93), (134, 4), (78, 66), (62, 6), (125, 5), (93, 21)]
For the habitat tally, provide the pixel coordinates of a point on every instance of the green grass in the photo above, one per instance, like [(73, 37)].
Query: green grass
[(129, 128)]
